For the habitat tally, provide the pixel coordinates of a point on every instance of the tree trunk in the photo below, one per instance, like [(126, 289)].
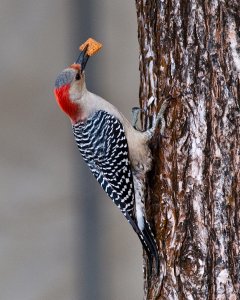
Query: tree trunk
[(190, 53)]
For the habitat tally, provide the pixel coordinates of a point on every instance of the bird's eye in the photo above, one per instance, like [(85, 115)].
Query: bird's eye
[(77, 77)]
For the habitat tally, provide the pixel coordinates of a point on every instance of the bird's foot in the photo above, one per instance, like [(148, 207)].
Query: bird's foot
[(135, 117)]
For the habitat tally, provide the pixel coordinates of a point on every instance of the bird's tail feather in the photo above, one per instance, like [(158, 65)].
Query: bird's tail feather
[(152, 245), (148, 242)]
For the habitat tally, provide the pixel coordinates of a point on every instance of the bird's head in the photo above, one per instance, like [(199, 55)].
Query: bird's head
[(70, 87)]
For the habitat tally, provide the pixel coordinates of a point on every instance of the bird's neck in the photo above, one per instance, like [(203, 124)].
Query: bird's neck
[(71, 108)]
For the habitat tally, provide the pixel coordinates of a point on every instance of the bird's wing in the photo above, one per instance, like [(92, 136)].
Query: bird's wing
[(103, 145)]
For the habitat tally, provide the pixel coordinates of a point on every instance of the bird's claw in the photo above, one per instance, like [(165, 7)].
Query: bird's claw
[(135, 115)]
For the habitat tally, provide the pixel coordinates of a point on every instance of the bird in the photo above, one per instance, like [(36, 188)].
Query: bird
[(117, 153)]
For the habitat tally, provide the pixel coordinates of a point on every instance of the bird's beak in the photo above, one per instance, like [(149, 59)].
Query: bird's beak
[(83, 58)]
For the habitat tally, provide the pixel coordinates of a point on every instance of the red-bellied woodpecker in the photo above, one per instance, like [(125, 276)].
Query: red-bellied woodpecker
[(117, 154)]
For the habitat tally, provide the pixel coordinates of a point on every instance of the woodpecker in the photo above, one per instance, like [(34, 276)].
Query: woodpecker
[(117, 154)]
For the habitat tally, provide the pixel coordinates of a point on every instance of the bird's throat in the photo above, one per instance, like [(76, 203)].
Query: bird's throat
[(63, 100)]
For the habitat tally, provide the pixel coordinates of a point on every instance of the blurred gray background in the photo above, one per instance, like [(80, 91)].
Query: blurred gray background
[(61, 238)]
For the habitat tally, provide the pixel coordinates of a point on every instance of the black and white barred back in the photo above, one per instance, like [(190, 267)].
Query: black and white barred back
[(103, 145)]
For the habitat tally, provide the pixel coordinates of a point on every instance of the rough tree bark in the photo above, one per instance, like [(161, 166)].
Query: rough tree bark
[(190, 52)]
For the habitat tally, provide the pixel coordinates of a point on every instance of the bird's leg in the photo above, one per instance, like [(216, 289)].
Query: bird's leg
[(135, 115)]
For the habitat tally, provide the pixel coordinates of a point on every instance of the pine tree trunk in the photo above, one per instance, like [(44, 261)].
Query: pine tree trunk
[(190, 53)]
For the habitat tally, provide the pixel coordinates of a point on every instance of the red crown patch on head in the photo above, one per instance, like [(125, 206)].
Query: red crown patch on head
[(76, 67), (63, 100)]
